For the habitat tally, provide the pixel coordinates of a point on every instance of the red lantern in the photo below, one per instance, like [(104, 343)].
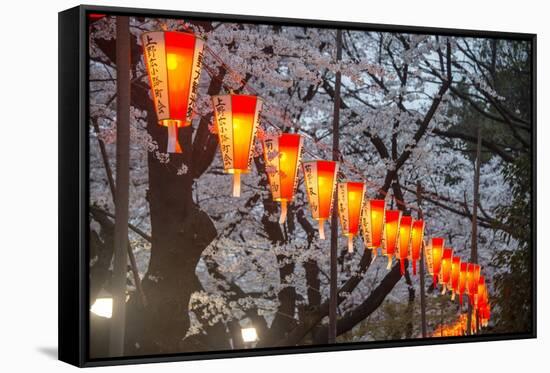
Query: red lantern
[(485, 315), (391, 233), (173, 61), (481, 296), (282, 155), (237, 118), (320, 178), (417, 239), (462, 280), (372, 224), (472, 281), (405, 229), (455, 275), (434, 254), (477, 274), (446, 267), (350, 202)]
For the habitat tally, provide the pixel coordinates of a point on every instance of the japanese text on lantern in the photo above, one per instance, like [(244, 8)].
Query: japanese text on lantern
[(343, 206), (272, 156), (255, 125), (310, 174), (366, 223), (155, 59), (195, 77), (300, 154), (225, 129), (429, 257)]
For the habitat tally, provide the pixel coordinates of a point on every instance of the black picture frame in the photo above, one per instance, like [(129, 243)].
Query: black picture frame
[(74, 185)]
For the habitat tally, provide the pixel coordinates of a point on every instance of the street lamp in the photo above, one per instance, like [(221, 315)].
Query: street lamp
[(249, 336), (103, 307)]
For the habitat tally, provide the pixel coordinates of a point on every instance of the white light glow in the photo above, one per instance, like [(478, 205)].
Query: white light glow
[(249, 335), (103, 307)]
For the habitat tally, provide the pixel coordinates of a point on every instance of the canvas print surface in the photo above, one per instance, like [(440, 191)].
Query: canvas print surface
[(304, 186)]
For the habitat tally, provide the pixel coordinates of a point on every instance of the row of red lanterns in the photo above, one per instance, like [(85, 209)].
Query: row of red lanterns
[(458, 276), (174, 61)]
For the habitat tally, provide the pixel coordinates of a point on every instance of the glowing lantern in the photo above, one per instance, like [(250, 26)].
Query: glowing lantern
[(417, 239), (455, 275), (434, 254), (405, 228), (372, 223), (282, 155), (472, 281), (481, 297), (477, 274), (237, 118), (173, 61), (482, 302), (350, 202), (446, 266), (391, 233), (320, 177), (462, 280), (485, 315)]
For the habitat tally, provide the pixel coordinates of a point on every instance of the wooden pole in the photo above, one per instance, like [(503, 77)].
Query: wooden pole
[(333, 302), (120, 262), (421, 264), (473, 254), (111, 181)]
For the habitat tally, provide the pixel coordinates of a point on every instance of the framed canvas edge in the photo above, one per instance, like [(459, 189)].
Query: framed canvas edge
[(72, 190), (210, 355), (254, 19), (73, 287)]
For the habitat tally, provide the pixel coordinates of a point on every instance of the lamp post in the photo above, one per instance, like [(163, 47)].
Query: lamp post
[(333, 298), (120, 255)]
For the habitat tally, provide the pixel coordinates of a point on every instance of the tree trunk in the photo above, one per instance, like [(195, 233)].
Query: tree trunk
[(180, 232)]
